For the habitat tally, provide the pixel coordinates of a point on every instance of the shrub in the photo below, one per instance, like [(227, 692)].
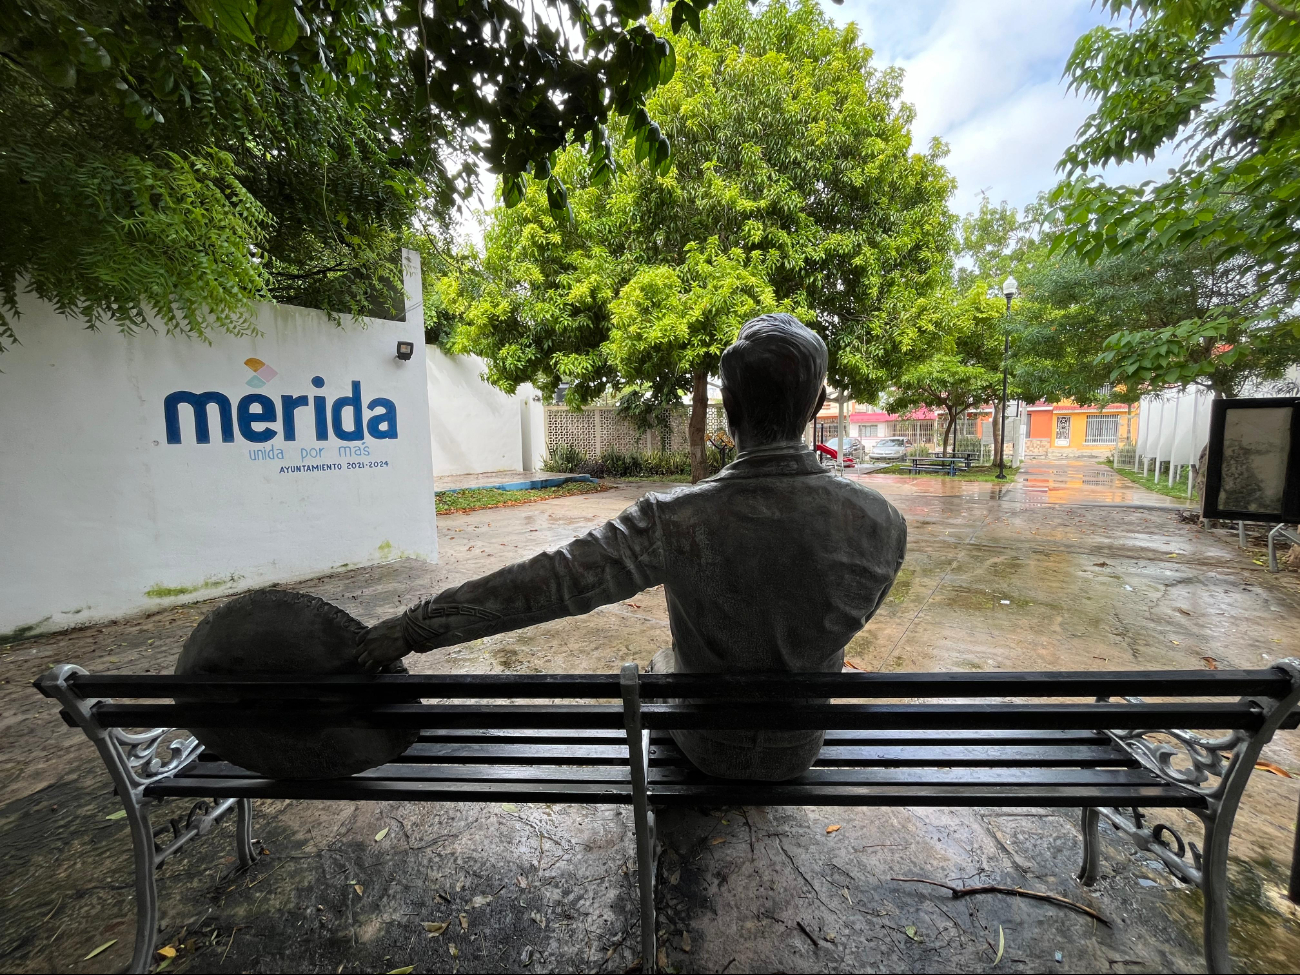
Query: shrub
[(567, 459)]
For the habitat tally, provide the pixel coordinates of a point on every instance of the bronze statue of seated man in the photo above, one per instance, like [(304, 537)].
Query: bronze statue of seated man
[(773, 564)]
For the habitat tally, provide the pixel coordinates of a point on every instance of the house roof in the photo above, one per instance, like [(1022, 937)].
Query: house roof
[(923, 413)]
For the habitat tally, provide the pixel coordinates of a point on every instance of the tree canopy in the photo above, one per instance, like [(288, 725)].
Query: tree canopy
[(181, 158), (793, 186), (1237, 193)]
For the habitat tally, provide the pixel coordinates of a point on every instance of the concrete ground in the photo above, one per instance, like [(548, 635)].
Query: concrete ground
[(1069, 567)]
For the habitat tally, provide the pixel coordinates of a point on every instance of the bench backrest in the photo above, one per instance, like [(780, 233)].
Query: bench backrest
[(1095, 700)]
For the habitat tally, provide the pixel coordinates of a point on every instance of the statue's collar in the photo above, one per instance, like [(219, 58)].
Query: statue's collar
[(785, 457)]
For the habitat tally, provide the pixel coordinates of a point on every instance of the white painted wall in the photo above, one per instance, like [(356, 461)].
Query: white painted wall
[(476, 428), (101, 515)]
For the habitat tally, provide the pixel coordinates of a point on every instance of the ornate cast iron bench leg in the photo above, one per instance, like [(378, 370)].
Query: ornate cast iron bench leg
[(1091, 867), (1216, 768), (133, 762)]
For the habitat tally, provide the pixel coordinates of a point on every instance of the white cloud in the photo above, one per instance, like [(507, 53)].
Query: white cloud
[(986, 77)]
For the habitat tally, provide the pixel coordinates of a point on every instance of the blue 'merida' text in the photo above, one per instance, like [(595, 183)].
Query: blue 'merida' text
[(256, 416)]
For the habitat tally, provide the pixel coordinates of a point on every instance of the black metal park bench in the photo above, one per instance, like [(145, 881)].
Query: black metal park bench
[(950, 465), (1070, 739)]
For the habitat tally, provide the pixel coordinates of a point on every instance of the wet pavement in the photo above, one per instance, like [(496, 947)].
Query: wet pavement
[(1069, 567)]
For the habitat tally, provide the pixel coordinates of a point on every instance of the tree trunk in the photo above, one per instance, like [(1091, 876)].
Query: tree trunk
[(952, 422), (696, 426)]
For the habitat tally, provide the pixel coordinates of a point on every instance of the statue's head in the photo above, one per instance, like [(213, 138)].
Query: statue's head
[(773, 379)]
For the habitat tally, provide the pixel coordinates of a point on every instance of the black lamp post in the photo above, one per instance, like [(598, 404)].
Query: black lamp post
[(1010, 288)]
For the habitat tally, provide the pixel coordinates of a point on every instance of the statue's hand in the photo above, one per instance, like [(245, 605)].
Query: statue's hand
[(382, 644)]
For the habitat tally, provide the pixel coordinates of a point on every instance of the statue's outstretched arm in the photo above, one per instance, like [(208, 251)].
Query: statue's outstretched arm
[(609, 563)]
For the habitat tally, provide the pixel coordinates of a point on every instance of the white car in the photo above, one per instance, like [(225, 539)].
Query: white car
[(891, 448)]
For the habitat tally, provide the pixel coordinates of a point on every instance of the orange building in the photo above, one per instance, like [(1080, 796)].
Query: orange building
[(1067, 428)]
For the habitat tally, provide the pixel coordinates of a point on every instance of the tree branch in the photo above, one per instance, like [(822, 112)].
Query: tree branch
[(1252, 54), (1014, 891), (1281, 11)]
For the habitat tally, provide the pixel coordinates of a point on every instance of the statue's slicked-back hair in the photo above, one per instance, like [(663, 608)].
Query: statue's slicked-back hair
[(774, 371)]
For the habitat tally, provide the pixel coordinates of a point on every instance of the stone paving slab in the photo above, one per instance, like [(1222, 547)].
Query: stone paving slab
[(741, 890)]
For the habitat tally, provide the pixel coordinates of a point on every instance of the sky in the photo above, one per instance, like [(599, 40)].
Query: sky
[(985, 76)]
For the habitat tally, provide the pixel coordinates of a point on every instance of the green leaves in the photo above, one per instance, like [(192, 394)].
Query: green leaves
[(750, 182), (685, 12), (1155, 85), (233, 17), (277, 21)]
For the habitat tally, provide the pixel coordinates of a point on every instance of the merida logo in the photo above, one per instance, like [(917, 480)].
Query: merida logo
[(256, 415)]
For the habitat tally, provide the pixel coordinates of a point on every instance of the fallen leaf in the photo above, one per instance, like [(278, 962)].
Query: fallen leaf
[(1275, 769), (1102, 565), (1210, 663), (834, 828), (1002, 944), (1183, 611), (455, 952), (381, 834), (403, 971), (686, 942), (435, 928), (358, 888), (1175, 643), (850, 664), (845, 894), (1172, 555), (464, 922), (509, 807), (166, 964), (167, 951), (104, 947), (480, 900), (120, 814), (539, 919), (521, 881), (719, 839), (829, 936), (910, 931)]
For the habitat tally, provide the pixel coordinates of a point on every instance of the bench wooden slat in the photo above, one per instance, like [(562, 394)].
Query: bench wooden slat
[(1061, 684), (401, 770), (864, 737), (942, 756), (1203, 714), (966, 777), (377, 716), (1206, 714), (955, 796), (403, 688), (389, 790)]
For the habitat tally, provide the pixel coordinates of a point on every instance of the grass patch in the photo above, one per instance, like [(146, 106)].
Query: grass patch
[(974, 474), (159, 591), (474, 499), (1159, 486)]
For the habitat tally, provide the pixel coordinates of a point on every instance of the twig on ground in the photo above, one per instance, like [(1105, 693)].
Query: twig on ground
[(1013, 891), (808, 933), (229, 943)]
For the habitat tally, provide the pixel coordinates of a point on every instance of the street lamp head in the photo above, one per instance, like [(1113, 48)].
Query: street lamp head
[(1010, 287)]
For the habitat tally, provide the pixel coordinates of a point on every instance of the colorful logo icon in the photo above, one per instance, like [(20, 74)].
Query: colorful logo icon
[(262, 373)]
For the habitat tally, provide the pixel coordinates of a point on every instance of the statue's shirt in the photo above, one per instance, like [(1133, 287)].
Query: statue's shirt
[(773, 564)]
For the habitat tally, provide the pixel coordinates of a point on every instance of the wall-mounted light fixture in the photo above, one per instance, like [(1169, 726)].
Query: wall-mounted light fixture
[(405, 350)]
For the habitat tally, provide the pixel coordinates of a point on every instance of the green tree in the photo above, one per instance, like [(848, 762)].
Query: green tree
[(793, 185), (963, 369), (1237, 193), (182, 158)]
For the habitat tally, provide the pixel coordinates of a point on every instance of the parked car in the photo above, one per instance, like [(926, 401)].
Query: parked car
[(890, 449), (852, 445)]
